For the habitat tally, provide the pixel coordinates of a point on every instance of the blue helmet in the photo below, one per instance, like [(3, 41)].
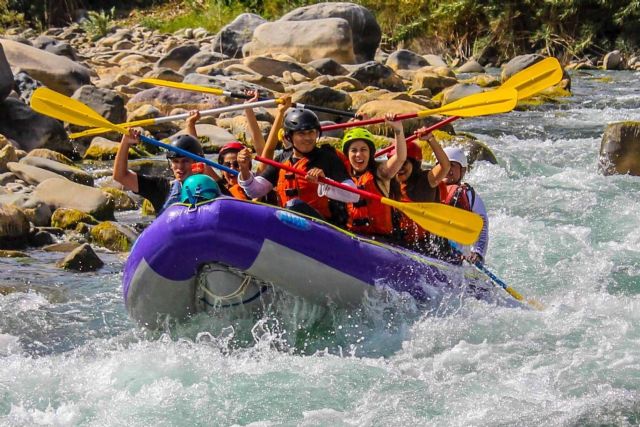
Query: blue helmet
[(199, 188)]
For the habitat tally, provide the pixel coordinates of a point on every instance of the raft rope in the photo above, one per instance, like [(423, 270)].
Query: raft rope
[(203, 286)]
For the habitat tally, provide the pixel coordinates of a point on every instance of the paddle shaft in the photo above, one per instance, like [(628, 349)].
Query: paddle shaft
[(367, 122), (415, 135)]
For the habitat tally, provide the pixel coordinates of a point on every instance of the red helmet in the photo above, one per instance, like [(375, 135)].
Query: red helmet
[(413, 151), (233, 146)]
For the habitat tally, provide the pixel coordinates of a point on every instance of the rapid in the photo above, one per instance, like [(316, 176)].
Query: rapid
[(560, 233)]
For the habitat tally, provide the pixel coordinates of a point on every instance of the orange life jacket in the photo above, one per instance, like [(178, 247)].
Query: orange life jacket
[(291, 186), (237, 192), (411, 231), (369, 216)]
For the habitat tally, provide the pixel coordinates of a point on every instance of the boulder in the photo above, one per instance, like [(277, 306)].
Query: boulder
[(304, 40), (459, 91), (378, 108), (471, 66), (37, 212), (56, 72), (104, 149), (6, 76), (237, 33), (620, 149), (113, 236), (32, 130), (61, 247), (41, 238), (212, 137), (121, 199), (518, 64), (177, 56), (365, 31), (165, 99), (45, 153), (82, 259), (273, 67), (432, 81), (57, 47), (326, 97), (108, 103), (164, 73), (70, 172), (62, 193), (328, 66), (613, 61), (25, 85), (201, 59), (68, 218), (7, 155), (31, 174), (14, 227), (375, 74), (227, 83), (145, 112), (435, 60), (404, 59)]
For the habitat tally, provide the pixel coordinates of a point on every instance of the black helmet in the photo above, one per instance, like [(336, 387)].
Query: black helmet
[(187, 143), (298, 119)]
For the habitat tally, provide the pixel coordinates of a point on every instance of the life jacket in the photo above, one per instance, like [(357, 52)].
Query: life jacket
[(175, 192), (369, 216), (293, 186), (457, 195), (237, 192), (411, 232)]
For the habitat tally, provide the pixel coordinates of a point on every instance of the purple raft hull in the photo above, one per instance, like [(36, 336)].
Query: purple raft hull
[(305, 257)]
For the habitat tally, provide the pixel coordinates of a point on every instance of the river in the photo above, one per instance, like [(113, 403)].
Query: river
[(561, 234)]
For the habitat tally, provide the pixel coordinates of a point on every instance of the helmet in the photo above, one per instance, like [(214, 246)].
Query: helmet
[(413, 151), (298, 119), (187, 143), (233, 146), (356, 134), (454, 154), (199, 188)]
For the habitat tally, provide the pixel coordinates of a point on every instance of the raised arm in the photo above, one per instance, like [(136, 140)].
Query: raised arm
[(272, 140), (441, 169), (190, 128), (389, 169), (252, 122), (121, 172)]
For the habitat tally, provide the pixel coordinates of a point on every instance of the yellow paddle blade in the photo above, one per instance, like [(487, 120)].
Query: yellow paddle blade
[(535, 78), (446, 221), (479, 104), (100, 131), (184, 86), (53, 104)]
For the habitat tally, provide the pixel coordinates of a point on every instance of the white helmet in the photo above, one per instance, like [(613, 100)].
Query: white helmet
[(456, 155)]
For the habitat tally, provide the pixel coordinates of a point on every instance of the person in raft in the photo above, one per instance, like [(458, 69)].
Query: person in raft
[(161, 191), (455, 192), (199, 188), (295, 192), (371, 217), (417, 185)]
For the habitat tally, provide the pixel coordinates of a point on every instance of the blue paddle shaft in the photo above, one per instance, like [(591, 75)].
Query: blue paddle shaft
[(188, 154)]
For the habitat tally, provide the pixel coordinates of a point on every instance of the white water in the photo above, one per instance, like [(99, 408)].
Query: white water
[(560, 233)]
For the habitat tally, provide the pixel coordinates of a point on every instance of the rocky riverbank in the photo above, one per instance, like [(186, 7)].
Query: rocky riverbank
[(53, 193)]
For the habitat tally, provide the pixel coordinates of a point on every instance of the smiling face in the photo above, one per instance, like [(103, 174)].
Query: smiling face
[(455, 175), (359, 155), (231, 161), (304, 141), (181, 167), (405, 171)]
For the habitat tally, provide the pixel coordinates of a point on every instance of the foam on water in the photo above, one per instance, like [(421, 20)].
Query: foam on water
[(560, 233)]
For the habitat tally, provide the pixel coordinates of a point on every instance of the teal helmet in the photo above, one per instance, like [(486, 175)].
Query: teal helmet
[(199, 188)]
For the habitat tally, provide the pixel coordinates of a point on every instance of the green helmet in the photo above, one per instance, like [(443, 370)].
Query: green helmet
[(199, 188), (355, 134)]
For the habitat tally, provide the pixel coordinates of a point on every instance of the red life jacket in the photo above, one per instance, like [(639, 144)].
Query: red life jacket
[(411, 231), (293, 186), (457, 195), (369, 216)]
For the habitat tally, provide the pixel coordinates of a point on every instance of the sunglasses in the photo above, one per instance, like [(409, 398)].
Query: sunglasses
[(232, 165)]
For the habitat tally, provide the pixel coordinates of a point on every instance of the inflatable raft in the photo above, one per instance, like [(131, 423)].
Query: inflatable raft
[(230, 253)]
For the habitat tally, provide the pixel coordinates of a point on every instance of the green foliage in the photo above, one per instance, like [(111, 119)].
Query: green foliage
[(9, 17), (98, 23)]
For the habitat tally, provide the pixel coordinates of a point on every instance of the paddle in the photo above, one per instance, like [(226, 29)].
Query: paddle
[(158, 120), (446, 221), (216, 91), (478, 104), (527, 82), (50, 103)]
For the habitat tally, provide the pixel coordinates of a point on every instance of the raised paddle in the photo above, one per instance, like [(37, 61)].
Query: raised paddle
[(478, 104), (527, 82), (216, 91), (446, 221), (158, 120)]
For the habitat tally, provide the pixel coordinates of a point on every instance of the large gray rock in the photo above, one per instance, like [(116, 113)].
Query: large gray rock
[(375, 74), (620, 149), (613, 61), (82, 258), (404, 59), (49, 44), (201, 59), (304, 40), (366, 33), (237, 33), (62, 193), (177, 57), (519, 63), (56, 72), (14, 227), (6, 76), (70, 172), (32, 130), (108, 103), (31, 174), (325, 96), (226, 83), (166, 99), (274, 67), (459, 91), (328, 66)]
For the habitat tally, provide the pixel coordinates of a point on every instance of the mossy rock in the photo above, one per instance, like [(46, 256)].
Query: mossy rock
[(51, 155), (111, 236), (121, 199), (68, 218), (147, 208), (13, 254)]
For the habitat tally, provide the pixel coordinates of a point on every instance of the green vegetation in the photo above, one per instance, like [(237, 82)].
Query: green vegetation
[(98, 23), (9, 17)]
